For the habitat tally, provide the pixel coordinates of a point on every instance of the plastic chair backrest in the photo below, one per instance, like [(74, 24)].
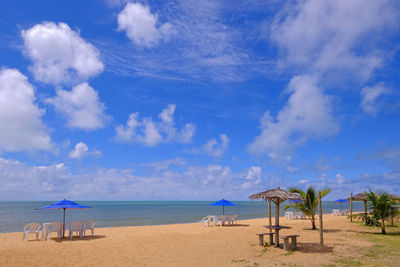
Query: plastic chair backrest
[(88, 224), (32, 227), (76, 226), (56, 226)]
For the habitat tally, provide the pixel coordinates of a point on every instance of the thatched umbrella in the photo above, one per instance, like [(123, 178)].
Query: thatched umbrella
[(277, 196), (359, 197), (364, 197)]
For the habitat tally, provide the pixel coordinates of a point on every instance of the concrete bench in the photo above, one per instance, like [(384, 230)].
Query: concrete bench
[(286, 242), (261, 238)]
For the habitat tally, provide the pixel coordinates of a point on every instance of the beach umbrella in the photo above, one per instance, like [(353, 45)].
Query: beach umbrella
[(295, 200), (340, 200), (64, 205), (223, 203)]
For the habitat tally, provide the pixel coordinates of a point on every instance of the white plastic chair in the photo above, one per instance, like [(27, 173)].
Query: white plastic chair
[(31, 228), (56, 227), (289, 215), (88, 225), (335, 212), (300, 216), (45, 230), (75, 227), (222, 220), (344, 212), (234, 219)]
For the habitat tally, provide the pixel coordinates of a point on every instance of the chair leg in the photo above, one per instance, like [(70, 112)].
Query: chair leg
[(92, 231), (24, 236), (37, 235)]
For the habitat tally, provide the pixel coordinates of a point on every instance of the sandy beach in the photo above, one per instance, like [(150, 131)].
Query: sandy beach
[(189, 245)]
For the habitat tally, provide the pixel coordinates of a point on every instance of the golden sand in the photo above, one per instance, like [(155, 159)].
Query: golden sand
[(186, 245)]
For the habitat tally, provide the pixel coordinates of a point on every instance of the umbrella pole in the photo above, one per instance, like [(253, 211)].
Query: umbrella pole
[(269, 214), (223, 210), (64, 223), (351, 207)]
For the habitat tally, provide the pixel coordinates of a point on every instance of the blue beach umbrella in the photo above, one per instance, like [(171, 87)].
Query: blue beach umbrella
[(223, 203), (64, 204), (340, 200), (295, 200)]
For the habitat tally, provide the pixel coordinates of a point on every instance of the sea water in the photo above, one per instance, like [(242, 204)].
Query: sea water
[(15, 214)]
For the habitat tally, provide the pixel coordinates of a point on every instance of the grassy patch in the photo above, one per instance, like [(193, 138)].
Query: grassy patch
[(262, 252), (329, 265), (384, 252), (238, 261), (288, 253), (255, 264)]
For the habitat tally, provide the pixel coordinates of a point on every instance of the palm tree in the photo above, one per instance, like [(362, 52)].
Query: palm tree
[(309, 205), (382, 207)]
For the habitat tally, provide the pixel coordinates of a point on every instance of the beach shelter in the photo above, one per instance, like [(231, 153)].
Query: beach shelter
[(64, 205), (277, 196), (340, 200), (223, 203)]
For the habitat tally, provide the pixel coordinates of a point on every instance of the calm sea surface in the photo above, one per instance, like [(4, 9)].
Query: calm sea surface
[(15, 214)]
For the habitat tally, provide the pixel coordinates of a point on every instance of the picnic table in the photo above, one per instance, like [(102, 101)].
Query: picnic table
[(277, 228)]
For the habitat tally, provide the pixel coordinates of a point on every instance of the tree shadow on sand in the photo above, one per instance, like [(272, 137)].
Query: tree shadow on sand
[(313, 248)]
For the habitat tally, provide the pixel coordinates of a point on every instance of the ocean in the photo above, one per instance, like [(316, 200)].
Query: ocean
[(15, 214)]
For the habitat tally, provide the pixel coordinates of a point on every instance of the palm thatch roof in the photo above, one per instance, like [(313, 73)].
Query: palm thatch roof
[(364, 196), (276, 193), (360, 197)]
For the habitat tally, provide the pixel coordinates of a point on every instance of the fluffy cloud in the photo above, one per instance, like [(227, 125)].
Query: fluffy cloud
[(151, 133), (322, 36), (81, 107), (141, 25), (21, 127), (307, 115), (370, 96), (59, 54), (81, 150), (212, 147), (253, 177)]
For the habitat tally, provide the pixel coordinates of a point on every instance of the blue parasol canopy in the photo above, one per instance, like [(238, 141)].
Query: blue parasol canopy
[(64, 204), (295, 200), (223, 203), (340, 200)]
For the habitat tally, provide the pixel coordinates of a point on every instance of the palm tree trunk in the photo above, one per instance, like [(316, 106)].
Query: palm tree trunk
[(383, 227), (313, 222)]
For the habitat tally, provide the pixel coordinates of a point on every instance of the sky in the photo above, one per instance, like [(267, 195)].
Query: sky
[(197, 100)]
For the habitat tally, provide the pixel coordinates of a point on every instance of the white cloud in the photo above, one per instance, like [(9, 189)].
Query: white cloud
[(81, 150), (26, 182), (253, 177), (320, 36), (151, 133), (215, 149), (81, 107), (59, 54), (141, 25), (307, 115), (339, 178), (21, 127), (303, 181), (370, 96)]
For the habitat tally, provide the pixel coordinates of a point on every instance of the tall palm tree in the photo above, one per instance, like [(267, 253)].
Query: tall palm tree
[(382, 207), (309, 205)]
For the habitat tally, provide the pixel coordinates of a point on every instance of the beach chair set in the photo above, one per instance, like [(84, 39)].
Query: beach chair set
[(290, 215), (57, 227), (221, 220), (340, 212)]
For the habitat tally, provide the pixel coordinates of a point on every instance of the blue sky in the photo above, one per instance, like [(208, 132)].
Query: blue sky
[(197, 100)]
